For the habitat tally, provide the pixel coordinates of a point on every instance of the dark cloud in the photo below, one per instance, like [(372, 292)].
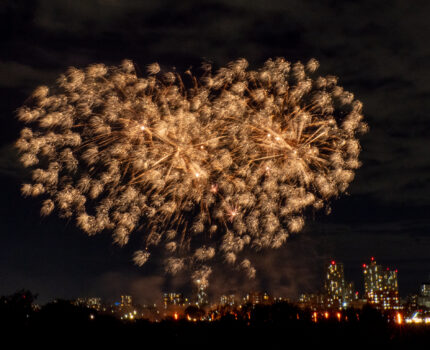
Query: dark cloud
[(18, 76), (10, 165), (378, 53)]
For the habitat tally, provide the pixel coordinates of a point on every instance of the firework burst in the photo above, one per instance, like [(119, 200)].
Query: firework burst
[(227, 161)]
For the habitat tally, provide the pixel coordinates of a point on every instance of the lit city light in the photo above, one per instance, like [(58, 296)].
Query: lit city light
[(326, 308), (399, 318), (381, 286)]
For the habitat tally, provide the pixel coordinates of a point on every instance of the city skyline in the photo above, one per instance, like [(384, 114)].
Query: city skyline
[(335, 290), (378, 52)]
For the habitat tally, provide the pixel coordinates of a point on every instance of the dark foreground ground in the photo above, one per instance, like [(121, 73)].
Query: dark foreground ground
[(278, 326), (220, 334)]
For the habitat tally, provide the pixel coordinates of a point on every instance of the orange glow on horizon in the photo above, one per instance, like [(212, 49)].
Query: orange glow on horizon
[(399, 318)]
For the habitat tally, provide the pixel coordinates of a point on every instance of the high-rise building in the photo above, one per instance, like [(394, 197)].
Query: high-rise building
[(258, 298), (339, 293), (202, 297), (92, 303), (313, 301), (126, 300), (423, 299), (228, 300), (170, 299), (425, 289), (381, 286)]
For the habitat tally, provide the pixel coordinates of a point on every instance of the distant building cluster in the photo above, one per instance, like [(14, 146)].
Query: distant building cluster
[(174, 299), (91, 303), (228, 300), (381, 286), (423, 298), (339, 293), (380, 291)]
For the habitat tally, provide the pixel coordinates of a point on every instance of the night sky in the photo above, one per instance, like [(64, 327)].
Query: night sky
[(379, 50)]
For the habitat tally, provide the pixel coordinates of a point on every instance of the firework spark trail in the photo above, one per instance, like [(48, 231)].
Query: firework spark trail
[(229, 163)]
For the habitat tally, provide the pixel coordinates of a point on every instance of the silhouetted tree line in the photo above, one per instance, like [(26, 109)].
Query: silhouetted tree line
[(271, 326), (17, 309)]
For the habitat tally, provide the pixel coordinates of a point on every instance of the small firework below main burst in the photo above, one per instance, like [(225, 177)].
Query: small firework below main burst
[(221, 164)]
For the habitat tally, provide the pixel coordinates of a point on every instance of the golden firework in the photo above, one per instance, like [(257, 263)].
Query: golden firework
[(227, 161)]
